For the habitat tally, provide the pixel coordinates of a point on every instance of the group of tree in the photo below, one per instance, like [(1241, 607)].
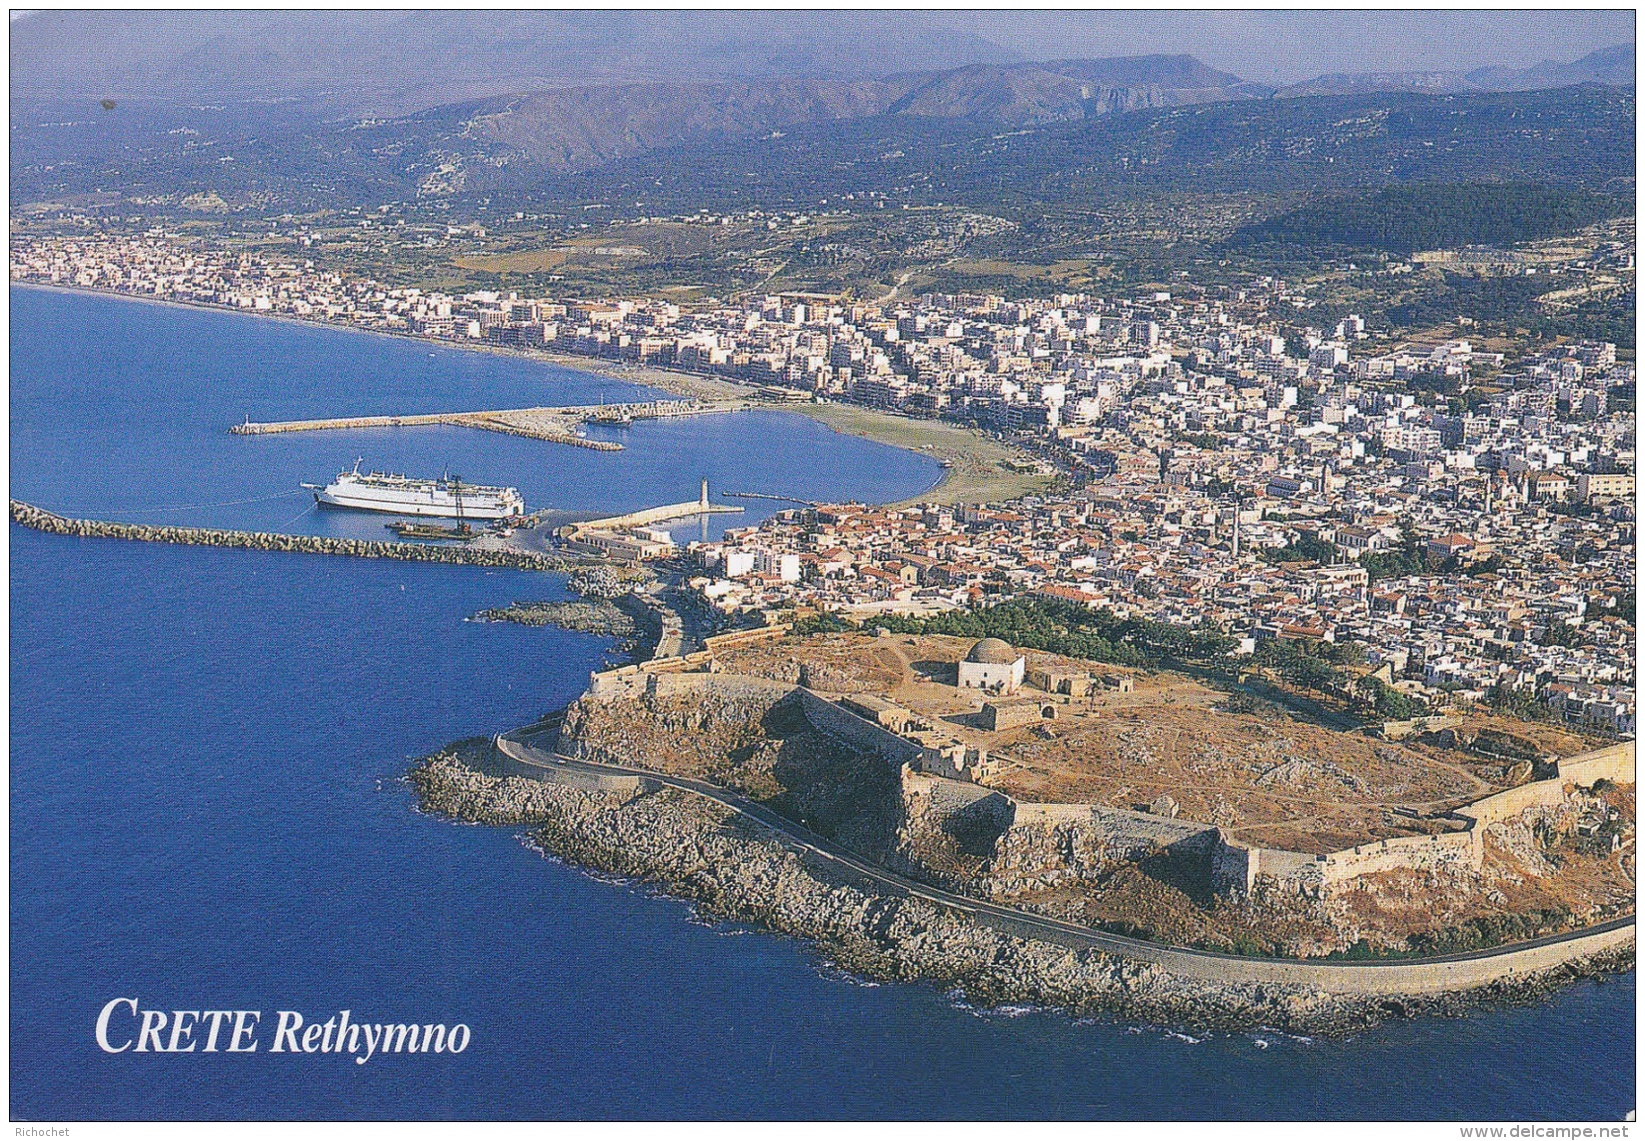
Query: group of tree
[(1385, 701), (1402, 219), (1074, 631), (1313, 665), (1308, 547)]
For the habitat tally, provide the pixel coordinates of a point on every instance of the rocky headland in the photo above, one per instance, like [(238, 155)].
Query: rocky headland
[(736, 870)]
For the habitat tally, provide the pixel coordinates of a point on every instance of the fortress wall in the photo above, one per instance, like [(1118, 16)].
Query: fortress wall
[(625, 681), (677, 664), (1119, 828), (739, 638), (1614, 763), (1300, 872), (1233, 867), (861, 734), (677, 684), (1511, 802), (1416, 852), (942, 793)]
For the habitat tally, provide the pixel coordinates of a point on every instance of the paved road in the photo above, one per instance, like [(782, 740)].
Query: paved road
[(1009, 919)]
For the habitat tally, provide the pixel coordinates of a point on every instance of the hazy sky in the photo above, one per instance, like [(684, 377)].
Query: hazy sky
[(442, 52), (1285, 46)]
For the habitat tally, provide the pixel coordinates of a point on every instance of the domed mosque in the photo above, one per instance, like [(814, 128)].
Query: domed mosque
[(992, 664)]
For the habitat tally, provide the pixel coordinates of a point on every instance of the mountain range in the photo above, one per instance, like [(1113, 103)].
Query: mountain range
[(1611, 67), (577, 128), (250, 116)]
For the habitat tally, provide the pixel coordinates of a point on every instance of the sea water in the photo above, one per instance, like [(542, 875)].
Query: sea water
[(207, 810)]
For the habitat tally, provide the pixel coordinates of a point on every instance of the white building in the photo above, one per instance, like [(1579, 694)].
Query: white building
[(992, 665)]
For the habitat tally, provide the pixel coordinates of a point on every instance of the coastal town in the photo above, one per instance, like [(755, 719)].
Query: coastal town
[(1455, 518)]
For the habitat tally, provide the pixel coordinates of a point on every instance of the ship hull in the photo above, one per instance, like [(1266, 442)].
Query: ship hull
[(439, 505)]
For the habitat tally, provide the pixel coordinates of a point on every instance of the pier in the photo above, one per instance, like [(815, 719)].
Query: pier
[(773, 498), (607, 536), (557, 425)]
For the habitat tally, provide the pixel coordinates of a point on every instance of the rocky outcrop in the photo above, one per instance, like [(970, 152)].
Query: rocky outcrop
[(735, 870), (598, 617)]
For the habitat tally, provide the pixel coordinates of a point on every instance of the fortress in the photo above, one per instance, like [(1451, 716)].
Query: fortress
[(945, 777)]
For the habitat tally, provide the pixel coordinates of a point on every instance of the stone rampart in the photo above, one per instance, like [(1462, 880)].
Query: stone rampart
[(1136, 833), (736, 639), (861, 734), (677, 684), (1414, 852), (1511, 802), (1614, 763)]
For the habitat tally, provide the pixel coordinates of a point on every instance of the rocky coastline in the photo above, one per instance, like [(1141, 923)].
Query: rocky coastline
[(598, 617), (733, 870), (627, 620)]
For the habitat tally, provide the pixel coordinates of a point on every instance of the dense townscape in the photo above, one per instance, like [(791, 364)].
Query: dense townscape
[(1463, 518)]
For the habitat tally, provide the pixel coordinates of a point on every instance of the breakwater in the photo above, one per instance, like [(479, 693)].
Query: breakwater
[(556, 425), (40, 520)]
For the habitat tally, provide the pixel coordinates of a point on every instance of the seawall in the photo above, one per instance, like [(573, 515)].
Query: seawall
[(39, 520)]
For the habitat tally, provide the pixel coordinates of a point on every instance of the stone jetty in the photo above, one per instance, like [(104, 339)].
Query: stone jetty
[(30, 516)]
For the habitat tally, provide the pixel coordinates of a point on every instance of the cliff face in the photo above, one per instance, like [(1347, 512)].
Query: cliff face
[(734, 871)]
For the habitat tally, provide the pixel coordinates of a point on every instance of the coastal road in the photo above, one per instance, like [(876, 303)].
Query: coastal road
[(1010, 920)]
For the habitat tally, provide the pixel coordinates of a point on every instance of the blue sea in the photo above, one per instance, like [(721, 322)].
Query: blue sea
[(207, 811)]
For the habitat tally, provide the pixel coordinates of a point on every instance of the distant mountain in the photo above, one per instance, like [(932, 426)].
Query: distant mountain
[(1611, 67), (995, 135), (1579, 137), (395, 62), (1062, 90), (576, 128)]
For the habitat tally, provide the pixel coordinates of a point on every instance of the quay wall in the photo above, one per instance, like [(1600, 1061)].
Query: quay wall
[(39, 520), (658, 515), (1396, 977)]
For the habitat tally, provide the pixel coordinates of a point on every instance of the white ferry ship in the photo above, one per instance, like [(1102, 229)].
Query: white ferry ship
[(447, 497)]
